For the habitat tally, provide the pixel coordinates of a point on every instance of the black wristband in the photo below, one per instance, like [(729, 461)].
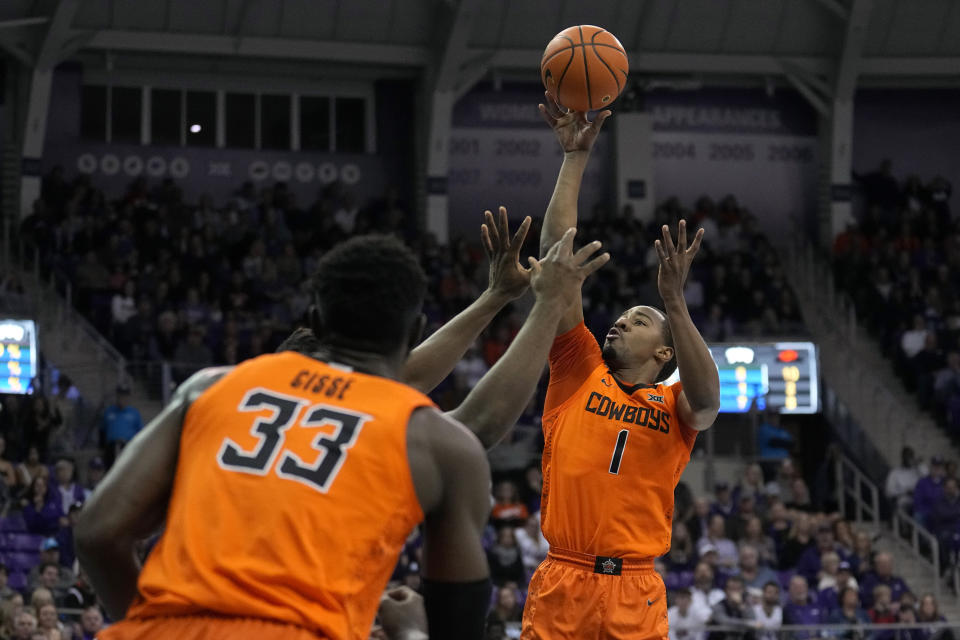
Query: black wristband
[(457, 610)]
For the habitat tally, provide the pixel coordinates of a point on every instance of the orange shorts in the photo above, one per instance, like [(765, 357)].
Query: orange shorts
[(574, 596), (203, 628)]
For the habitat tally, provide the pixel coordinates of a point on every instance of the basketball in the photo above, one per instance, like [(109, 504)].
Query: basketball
[(584, 68)]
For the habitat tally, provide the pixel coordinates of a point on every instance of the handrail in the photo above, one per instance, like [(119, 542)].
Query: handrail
[(917, 533), (860, 482)]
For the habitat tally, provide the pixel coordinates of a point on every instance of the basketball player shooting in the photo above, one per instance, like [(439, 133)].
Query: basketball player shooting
[(287, 485), (616, 438)]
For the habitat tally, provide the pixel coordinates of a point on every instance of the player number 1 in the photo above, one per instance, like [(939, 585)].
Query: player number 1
[(618, 452)]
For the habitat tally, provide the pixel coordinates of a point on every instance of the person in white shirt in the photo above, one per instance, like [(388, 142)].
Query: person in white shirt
[(533, 546), (727, 554), (901, 480), (685, 622), (912, 341), (704, 594), (769, 613)]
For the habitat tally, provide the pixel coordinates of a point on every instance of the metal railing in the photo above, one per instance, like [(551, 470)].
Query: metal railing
[(922, 543), (854, 485)]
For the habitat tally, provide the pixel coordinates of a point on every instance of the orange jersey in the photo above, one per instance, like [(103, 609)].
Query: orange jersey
[(292, 499), (612, 458)]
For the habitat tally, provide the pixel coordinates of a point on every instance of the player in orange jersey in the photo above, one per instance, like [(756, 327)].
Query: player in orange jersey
[(288, 484), (617, 439)]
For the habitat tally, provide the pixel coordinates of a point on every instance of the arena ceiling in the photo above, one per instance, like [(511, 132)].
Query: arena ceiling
[(813, 41)]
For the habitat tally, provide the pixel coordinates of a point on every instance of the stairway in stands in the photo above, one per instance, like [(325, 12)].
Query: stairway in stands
[(853, 366)]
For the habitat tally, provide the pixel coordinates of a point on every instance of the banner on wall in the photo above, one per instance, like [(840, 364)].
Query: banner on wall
[(761, 148), (219, 172)]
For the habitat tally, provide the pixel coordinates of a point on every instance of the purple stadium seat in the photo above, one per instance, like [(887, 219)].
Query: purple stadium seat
[(21, 560), (23, 541), (13, 524), (17, 580)]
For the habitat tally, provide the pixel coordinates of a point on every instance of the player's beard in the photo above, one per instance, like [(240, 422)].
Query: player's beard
[(610, 356)]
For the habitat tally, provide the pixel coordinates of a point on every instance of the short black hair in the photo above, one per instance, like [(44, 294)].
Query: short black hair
[(369, 291), (670, 365), (302, 341)]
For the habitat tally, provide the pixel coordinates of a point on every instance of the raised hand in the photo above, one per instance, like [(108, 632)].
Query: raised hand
[(573, 130), (675, 260), (561, 272), (508, 278)]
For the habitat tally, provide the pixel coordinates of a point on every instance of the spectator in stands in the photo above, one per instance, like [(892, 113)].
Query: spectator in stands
[(902, 480), (797, 543), (801, 497), (682, 555), (5, 590), (945, 520), (508, 510), (32, 467), (24, 626), (733, 611), (91, 623), (779, 526), (722, 501), (752, 485), (882, 574), (504, 558), (8, 473), (727, 555), (751, 572), (849, 612), (120, 423), (929, 610), (48, 622), (809, 564), (192, 355), (533, 546), (829, 596), (65, 538), (685, 623), (699, 522), (507, 608), (50, 554), (881, 611), (41, 510), (80, 594), (908, 615), (41, 419), (533, 478), (50, 580), (704, 592), (862, 559), (913, 340), (745, 510), (768, 613), (799, 609), (782, 485), (843, 535), (947, 380), (753, 535), (95, 472), (70, 492), (773, 441)]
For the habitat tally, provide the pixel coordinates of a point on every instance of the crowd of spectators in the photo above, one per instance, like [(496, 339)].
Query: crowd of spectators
[(900, 262), (198, 284)]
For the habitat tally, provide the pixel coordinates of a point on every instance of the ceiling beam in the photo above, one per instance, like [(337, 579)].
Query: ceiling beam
[(10, 44), (527, 60), (815, 100), (57, 33), (854, 38), (284, 48), (23, 22), (454, 31), (834, 7)]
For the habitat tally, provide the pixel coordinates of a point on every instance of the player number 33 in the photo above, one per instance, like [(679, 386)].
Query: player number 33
[(271, 432)]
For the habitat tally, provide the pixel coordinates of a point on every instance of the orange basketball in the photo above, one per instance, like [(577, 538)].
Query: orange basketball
[(584, 68)]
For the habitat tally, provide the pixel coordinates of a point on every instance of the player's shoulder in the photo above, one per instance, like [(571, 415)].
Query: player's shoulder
[(199, 382)]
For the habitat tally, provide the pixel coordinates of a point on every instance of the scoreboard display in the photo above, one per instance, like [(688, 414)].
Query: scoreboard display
[(780, 375), (18, 355)]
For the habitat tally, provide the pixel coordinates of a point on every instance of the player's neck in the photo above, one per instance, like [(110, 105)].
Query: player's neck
[(374, 364), (642, 374)]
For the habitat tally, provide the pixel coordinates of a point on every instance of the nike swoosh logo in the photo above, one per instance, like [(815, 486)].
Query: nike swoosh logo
[(650, 602)]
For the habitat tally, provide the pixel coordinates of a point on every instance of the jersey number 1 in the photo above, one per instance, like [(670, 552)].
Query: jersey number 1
[(272, 430), (618, 452)]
